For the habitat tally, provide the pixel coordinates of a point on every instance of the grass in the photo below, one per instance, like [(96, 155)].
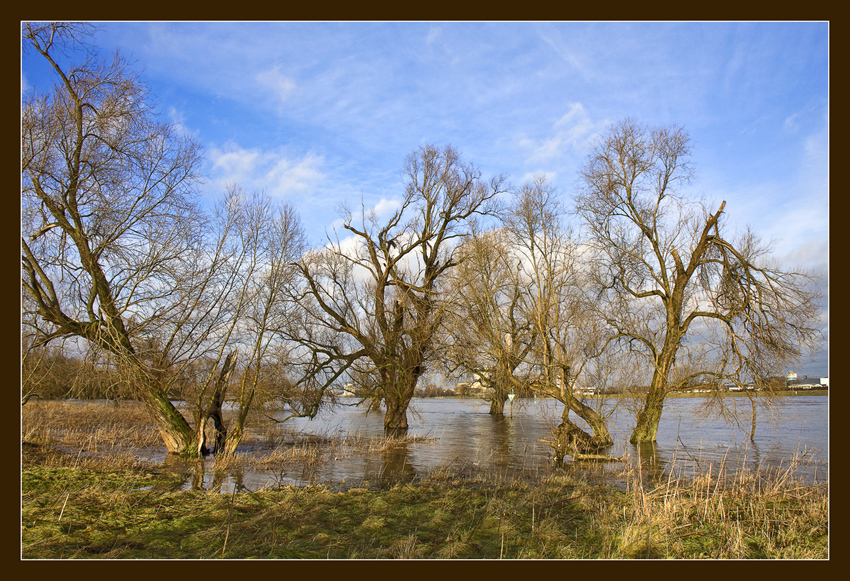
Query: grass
[(112, 505), (70, 512)]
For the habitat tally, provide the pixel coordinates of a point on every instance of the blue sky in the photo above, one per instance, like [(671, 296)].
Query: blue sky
[(323, 112)]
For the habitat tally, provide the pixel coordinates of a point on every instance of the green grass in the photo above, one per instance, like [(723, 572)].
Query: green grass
[(125, 512)]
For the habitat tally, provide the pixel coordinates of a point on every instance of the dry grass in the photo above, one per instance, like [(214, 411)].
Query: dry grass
[(97, 427), (98, 433), (717, 515)]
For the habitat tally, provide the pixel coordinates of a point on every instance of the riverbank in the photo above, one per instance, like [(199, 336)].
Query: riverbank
[(117, 507)]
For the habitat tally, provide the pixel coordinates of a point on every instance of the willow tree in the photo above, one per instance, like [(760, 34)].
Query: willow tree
[(117, 252), (701, 305), (487, 333), (377, 293), (107, 204), (242, 326), (567, 334)]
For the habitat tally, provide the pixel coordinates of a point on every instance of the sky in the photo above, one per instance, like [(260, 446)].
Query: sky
[(320, 113)]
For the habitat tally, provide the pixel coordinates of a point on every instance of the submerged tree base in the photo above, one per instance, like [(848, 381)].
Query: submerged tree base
[(570, 440)]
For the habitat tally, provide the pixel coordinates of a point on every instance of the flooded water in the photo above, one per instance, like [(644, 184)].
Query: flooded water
[(460, 434)]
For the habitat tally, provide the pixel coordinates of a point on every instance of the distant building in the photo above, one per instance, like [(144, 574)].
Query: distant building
[(805, 382)]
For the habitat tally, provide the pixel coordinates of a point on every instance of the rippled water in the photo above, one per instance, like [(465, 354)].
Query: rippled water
[(459, 433)]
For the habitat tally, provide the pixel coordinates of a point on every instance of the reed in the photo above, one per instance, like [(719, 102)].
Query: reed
[(98, 427), (720, 514)]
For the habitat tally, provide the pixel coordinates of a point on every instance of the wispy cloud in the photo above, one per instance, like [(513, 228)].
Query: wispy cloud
[(178, 121), (270, 171), (281, 86), (791, 125), (567, 136)]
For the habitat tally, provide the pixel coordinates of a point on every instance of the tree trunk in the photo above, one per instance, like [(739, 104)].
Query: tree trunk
[(497, 406), (646, 429), (573, 441), (232, 440), (570, 440), (220, 431), (396, 400), (753, 428), (395, 418), (601, 435), (215, 413), (173, 427)]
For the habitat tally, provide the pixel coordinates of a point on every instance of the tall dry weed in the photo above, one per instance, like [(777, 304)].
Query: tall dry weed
[(718, 514)]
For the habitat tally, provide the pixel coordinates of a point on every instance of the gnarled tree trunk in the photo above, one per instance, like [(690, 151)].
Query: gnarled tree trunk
[(646, 428), (397, 401), (176, 432)]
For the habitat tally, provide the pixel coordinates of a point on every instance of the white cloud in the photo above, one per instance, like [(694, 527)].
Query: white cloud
[(383, 209), (386, 207), (550, 176), (270, 171)]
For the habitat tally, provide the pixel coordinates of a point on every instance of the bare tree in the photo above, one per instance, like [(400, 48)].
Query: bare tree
[(116, 250), (567, 337), (486, 332), (518, 318), (699, 305), (377, 294), (107, 205), (247, 310)]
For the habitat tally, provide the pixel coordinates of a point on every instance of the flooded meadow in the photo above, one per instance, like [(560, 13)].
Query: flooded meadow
[(97, 483), (345, 447)]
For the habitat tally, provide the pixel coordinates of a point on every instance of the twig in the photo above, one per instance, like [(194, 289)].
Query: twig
[(61, 512)]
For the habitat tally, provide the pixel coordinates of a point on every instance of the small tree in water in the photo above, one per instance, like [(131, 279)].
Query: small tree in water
[(566, 335), (486, 332)]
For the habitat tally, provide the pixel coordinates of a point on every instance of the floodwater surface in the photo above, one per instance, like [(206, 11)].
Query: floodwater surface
[(461, 434)]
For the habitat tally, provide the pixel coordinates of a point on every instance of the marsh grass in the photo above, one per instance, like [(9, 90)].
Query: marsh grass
[(739, 515), (113, 505), (95, 426)]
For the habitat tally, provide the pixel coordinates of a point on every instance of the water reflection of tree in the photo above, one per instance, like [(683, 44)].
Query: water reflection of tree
[(397, 465), (649, 464), (196, 472), (502, 436)]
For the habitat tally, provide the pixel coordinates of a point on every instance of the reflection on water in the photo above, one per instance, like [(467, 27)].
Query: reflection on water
[(460, 434)]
